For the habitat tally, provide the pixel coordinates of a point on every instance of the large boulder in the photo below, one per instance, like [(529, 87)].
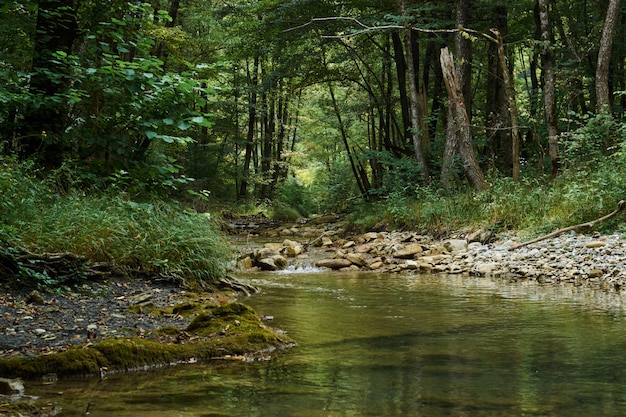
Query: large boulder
[(336, 263), (272, 263), (455, 245), (265, 253), (292, 248), (408, 251), (359, 259)]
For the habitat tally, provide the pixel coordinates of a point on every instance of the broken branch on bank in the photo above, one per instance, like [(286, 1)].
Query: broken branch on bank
[(620, 206)]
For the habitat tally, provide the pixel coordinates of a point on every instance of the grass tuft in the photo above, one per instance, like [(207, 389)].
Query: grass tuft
[(151, 238)]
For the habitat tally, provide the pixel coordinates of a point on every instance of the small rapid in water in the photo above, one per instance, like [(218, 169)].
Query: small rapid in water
[(395, 346)]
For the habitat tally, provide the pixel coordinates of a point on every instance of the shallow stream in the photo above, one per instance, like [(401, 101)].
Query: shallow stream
[(395, 345)]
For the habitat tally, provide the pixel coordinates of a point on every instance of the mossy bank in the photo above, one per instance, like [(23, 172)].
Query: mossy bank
[(228, 331)]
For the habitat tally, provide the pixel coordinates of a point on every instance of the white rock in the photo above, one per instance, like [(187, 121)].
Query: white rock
[(485, 268), (455, 245), (411, 264)]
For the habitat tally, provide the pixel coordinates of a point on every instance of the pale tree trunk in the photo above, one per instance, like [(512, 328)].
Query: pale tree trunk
[(414, 100), (510, 97), (549, 86), (458, 134), (463, 51), (604, 58)]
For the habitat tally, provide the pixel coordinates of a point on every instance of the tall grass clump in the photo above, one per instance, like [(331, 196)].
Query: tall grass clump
[(149, 238), (532, 206)]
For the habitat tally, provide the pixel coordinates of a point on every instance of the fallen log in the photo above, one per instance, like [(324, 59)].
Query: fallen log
[(620, 206)]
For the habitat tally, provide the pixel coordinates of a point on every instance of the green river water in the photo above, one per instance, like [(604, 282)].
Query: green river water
[(395, 345)]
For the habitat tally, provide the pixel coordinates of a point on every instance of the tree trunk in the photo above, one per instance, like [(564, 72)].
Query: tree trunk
[(603, 100), (253, 83), (414, 98), (173, 13), (463, 50), (458, 133), (44, 121), (437, 106), (497, 115), (267, 142), (398, 54), (344, 137), (549, 87), (510, 97)]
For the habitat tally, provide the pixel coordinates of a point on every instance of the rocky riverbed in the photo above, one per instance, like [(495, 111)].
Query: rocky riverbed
[(592, 260)]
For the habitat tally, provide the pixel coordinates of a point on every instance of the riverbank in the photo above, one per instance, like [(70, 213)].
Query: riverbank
[(117, 326), (590, 260)]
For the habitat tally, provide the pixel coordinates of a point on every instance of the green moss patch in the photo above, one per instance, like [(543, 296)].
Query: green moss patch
[(232, 329)]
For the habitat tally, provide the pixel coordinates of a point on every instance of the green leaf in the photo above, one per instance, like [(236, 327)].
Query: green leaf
[(150, 134), (202, 121), (183, 125), (168, 121), (169, 139)]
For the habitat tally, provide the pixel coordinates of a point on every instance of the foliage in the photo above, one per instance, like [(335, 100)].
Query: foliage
[(229, 93), (297, 196), (597, 136), (333, 187), (127, 112)]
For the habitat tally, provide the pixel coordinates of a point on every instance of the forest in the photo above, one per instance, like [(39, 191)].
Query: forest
[(428, 115)]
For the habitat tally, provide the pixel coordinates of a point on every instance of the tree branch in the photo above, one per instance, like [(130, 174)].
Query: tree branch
[(367, 28), (620, 206)]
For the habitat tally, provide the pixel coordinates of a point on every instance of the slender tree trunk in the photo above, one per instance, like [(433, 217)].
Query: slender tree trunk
[(173, 13), (253, 83), (510, 97), (416, 124), (344, 138), (398, 54), (437, 105), (603, 99), (497, 115), (280, 168), (458, 133), (267, 142), (549, 87)]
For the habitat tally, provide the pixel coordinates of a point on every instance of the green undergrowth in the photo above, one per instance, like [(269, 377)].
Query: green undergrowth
[(128, 235), (225, 331), (532, 206)]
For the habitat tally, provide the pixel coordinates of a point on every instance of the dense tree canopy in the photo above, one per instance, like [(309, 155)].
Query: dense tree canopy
[(354, 98)]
